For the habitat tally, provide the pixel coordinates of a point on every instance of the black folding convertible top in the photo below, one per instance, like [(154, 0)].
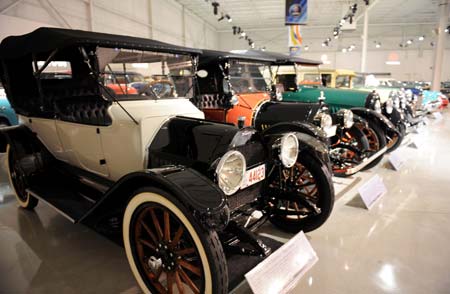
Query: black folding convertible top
[(255, 55), (49, 39)]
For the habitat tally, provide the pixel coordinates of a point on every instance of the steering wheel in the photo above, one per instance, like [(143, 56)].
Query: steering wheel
[(162, 88)]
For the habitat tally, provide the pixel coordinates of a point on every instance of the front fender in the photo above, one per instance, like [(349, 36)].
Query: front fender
[(380, 119), (315, 147), (300, 127), (202, 197)]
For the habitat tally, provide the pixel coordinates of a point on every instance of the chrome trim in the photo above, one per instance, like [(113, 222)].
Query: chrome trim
[(365, 162)]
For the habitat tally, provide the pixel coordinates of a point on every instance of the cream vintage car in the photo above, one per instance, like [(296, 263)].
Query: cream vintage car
[(144, 164)]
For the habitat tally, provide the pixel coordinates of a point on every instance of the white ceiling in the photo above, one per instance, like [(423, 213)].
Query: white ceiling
[(390, 21), (253, 14)]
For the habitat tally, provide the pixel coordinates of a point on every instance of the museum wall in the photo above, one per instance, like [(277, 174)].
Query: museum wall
[(415, 62), (159, 19)]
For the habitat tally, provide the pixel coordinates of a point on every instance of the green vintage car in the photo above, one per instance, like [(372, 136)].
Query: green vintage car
[(365, 104)]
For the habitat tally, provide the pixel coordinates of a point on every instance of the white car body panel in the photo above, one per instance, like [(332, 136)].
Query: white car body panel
[(123, 144)]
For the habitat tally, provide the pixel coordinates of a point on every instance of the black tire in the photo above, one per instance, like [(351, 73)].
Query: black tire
[(18, 180), (4, 123), (207, 249), (374, 129), (398, 139), (345, 157), (325, 200)]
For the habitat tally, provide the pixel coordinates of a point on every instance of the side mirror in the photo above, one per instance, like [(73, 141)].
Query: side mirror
[(202, 73)]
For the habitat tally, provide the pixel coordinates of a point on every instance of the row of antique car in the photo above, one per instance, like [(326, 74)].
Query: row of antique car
[(184, 152)]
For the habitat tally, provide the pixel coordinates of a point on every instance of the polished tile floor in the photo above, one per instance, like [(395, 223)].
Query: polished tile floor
[(399, 246)]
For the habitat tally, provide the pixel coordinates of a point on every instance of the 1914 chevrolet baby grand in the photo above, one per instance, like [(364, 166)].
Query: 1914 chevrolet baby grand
[(183, 189)]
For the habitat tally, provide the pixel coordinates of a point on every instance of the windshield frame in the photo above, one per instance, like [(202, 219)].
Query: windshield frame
[(229, 79)]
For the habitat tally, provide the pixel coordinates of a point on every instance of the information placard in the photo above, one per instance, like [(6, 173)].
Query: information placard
[(437, 116), (396, 160), (372, 190), (282, 270)]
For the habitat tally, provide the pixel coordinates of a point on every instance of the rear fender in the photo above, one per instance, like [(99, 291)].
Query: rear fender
[(14, 135), (202, 197)]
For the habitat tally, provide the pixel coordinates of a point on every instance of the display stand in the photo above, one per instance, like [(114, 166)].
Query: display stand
[(396, 160), (372, 190)]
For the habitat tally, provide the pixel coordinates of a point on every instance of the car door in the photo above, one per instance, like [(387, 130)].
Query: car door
[(79, 132)]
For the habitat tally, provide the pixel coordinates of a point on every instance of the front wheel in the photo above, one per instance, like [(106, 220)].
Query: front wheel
[(377, 141), (18, 180), (397, 138), (306, 195), (168, 251)]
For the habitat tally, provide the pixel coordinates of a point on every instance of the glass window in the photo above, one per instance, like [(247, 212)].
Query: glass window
[(56, 70), (247, 77), (132, 74), (326, 80), (359, 81), (310, 79), (343, 81)]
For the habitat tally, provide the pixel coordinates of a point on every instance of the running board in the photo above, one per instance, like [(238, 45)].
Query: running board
[(363, 164)]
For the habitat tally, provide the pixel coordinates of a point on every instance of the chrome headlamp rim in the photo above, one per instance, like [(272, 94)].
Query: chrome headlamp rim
[(326, 120), (389, 105), (377, 106), (219, 168), (288, 162), (348, 118)]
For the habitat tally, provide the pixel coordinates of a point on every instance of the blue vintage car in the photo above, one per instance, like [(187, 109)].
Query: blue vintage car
[(7, 115)]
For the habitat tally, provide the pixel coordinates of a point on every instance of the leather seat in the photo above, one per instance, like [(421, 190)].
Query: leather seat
[(90, 110)]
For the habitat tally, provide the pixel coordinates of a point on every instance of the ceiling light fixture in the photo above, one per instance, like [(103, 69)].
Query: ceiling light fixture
[(421, 38), (228, 17), (306, 48), (216, 7), (409, 42)]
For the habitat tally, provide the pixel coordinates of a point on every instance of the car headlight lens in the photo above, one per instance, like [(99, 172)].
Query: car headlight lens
[(230, 172), (289, 150), (348, 118), (389, 106), (325, 121), (377, 106)]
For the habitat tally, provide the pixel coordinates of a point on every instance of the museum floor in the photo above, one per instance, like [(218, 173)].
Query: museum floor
[(399, 246)]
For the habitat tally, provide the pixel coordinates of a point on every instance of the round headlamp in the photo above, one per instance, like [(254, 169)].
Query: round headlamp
[(279, 96), (234, 100), (288, 150), (348, 118), (325, 121), (377, 106), (231, 171), (389, 105)]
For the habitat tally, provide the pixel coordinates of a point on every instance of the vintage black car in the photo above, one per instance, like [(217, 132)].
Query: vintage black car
[(241, 89), (179, 189)]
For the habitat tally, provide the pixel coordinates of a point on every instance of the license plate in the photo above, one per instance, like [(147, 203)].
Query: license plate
[(254, 175), (331, 131)]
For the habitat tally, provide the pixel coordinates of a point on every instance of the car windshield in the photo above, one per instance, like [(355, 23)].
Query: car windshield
[(132, 74), (359, 81), (343, 81), (247, 77)]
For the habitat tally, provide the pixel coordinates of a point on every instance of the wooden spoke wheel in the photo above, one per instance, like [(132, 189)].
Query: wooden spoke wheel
[(168, 250), (306, 195)]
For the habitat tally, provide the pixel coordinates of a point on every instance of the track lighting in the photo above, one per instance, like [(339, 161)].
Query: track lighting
[(306, 48), (377, 45), (221, 18), (344, 50), (354, 8), (447, 30), (409, 42), (216, 7), (228, 17), (421, 38), (367, 2), (234, 30)]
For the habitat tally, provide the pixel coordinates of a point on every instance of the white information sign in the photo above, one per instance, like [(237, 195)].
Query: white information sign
[(281, 271), (396, 160), (414, 144), (437, 115), (372, 190)]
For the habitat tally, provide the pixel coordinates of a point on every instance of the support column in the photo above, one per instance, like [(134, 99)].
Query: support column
[(365, 37), (440, 46), (91, 15)]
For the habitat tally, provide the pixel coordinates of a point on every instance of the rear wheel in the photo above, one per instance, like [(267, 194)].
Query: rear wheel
[(306, 195), (377, 141), (168, 251), (18, 179)]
